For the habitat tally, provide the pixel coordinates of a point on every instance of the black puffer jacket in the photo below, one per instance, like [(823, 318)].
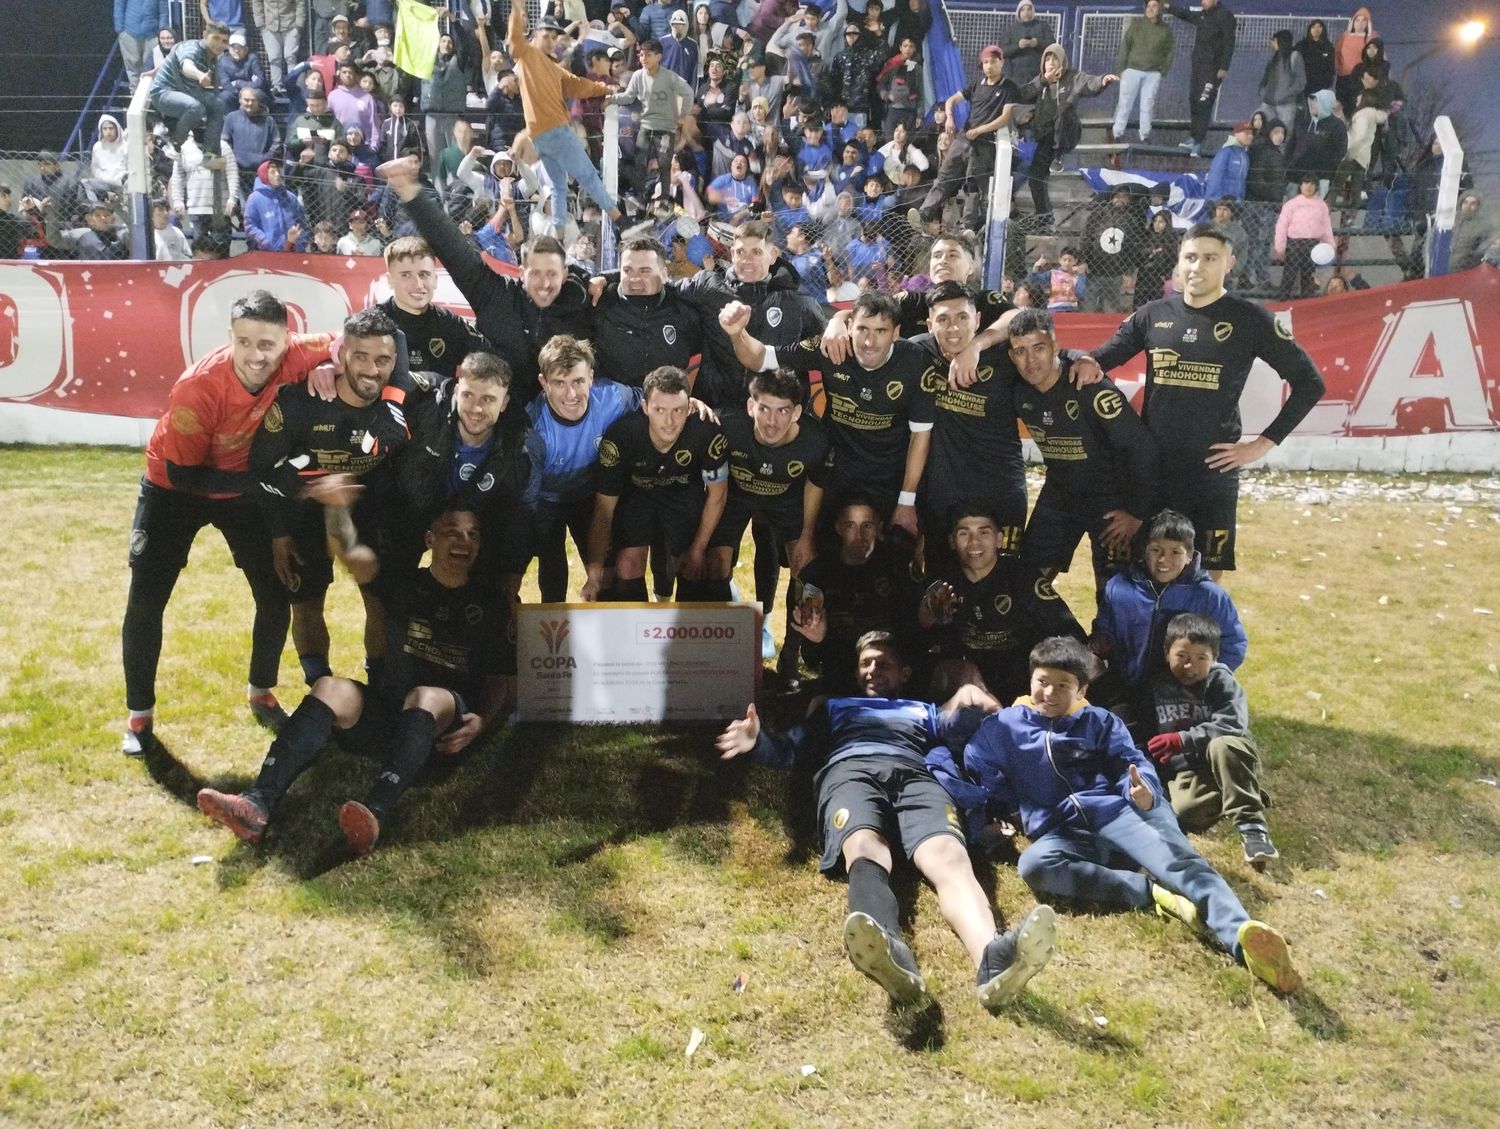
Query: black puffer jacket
[(1267, 179)]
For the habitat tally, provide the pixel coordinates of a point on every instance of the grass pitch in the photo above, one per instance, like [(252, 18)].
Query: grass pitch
[(545, 926)]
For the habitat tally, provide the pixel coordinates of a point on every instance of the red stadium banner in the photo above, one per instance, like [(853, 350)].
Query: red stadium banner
[(89, 351)]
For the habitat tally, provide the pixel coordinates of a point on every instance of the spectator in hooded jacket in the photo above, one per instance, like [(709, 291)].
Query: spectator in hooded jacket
[(1231, 166), (1284, 80), (1317, 57), (274, 219), (1321, 144), (1023, 45), (1264, 192), (899, 84), (1055, 123), (1348, 53), (107, 159), (1145, 56), (1114, 240)]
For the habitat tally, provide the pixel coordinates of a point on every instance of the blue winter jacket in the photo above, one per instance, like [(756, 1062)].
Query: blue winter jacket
[(1228, 173), (1065, 772), (269, 214), (140, 18), (1134, 617)]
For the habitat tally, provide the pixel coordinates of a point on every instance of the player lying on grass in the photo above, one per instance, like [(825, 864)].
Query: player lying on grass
[(450, 644), (874, 791)]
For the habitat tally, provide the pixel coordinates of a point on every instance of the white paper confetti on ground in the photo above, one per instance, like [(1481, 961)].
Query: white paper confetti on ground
[(695, 1040)]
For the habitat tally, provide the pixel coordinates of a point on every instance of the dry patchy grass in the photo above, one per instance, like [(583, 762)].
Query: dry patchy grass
[(549, 921)]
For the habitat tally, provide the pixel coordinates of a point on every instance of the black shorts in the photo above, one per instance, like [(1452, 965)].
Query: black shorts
[(374, 521), (739, 511), (167, 521), (641, 522), (888, 795), (370, 735), (1056, 526), (1211, 501)]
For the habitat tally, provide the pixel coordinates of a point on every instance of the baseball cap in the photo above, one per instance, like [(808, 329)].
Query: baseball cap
[(679, 17), (993, 51), (339, 19), (1243, 127), (239, 38)]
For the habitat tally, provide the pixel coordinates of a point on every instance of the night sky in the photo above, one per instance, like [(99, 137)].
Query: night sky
[(50, 48)]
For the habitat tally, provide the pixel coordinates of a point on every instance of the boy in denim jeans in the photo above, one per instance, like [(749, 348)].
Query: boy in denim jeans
[(1096, 814)]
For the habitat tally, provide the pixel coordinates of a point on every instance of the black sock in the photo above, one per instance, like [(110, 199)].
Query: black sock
[(410, 748), (628, 591), (870, 892), (314, 667), (767, 564), (296, 747)]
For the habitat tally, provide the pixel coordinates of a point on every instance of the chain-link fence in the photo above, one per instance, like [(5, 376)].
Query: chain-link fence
[(1098, 52)]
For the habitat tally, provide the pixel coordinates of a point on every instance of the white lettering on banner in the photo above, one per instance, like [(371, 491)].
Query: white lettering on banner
[(312, 305), (636, 662), (35, 331), (1395, 374)]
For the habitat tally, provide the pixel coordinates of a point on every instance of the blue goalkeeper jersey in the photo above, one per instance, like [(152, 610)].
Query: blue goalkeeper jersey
[(572, 449)]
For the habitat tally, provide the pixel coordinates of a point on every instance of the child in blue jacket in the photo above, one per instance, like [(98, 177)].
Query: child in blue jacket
[(1170, 579), (1090, 801)]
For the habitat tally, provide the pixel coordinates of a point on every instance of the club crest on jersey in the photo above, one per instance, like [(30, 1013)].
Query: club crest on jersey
[(985, 373), (669, 334), (893, 390), (487, 483), (473, 613), (609, 454), (773, 316), (1108, 404), (683, 457), (1222, 330), (137, 542), (1190, 336), (794, 468), (1003, 604), (840, 818), (185, 421), (1071, 409), (1283, 327), (466, 472), (273, 422), (436, 347)]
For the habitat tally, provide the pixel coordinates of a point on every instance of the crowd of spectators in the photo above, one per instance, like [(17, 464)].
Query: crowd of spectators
[(812, 115)]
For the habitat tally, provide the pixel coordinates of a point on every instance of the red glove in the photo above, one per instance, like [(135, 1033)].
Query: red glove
[(1164, 746)]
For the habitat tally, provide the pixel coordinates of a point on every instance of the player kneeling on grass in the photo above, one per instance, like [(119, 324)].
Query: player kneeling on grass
[(450, 644), (1202, 739), (873, 788), (1095, 813)]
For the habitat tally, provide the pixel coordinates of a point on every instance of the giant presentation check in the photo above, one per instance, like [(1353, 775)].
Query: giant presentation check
[(636, 662)]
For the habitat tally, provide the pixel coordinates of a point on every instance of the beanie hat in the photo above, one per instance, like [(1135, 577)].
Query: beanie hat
[(265, 167)]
